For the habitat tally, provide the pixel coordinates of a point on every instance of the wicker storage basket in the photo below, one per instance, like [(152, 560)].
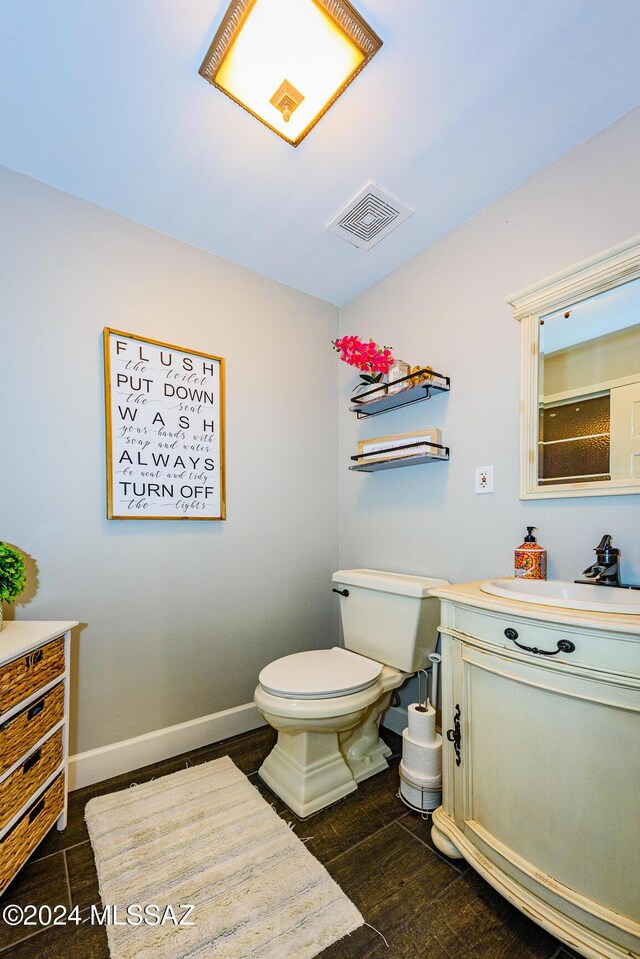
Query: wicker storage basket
[(29, 776), (18, 844), (22, 677), (29, 725)]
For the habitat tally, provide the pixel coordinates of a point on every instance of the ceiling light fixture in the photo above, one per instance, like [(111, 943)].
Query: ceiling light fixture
[(288, 61)]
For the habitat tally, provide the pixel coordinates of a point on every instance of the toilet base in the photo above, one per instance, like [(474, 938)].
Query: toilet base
[(365, 753), (373, 763), (308, 771), (326, 746)]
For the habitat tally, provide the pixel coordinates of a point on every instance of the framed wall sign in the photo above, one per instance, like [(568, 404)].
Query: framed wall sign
[(165, 430)]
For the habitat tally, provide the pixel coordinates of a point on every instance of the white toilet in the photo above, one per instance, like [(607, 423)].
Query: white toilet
[(326, 704)]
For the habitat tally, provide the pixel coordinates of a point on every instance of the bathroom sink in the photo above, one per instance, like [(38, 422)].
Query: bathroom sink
[(555, 592)]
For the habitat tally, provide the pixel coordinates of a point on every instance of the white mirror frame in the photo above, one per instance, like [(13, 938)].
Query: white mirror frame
[(616, 266)]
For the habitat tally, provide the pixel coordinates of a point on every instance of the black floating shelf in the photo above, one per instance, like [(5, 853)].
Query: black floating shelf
[(439, 454), (380, 399)]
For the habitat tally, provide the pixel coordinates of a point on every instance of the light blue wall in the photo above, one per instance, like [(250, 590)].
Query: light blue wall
[(447, 308), (179, 617)]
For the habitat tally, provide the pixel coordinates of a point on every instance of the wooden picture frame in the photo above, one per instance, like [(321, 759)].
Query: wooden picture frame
[(165, 430)]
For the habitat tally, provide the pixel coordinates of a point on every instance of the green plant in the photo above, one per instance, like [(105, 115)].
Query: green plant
[(13, 575)]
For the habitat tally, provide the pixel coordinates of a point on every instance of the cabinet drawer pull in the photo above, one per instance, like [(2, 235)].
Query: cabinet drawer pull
[(32, 761), (563, 645), (34, 658), (33, 712), (37, 809), (454, 735)]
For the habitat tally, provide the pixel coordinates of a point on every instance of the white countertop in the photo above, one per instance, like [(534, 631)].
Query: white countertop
[(20, 636), (470, 594)]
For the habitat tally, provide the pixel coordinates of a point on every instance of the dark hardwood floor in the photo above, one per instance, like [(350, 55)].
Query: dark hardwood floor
[(378, 851)]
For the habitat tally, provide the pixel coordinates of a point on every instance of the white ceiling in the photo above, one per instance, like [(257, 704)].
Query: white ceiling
[(464, 102)]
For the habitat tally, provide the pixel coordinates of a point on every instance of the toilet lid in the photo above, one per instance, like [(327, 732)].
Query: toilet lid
[(319, 674)]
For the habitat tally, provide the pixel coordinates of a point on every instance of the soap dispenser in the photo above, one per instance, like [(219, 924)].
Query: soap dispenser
[(530, 558)]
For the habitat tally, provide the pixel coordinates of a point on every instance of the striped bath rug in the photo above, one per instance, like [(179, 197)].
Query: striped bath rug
[(205, 838)]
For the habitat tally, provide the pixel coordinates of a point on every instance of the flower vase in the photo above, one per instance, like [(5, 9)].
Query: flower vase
[(367, 388)]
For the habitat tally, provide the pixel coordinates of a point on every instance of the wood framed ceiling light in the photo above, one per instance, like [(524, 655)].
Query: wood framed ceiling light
[(287, 61)]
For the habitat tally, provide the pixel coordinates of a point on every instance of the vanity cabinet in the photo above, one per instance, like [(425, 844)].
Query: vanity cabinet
[(34, 721), (541, 762)]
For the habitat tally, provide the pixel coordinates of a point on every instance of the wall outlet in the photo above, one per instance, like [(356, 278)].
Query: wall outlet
[(484, 479)]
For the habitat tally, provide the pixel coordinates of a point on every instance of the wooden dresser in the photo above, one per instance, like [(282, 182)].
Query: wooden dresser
[(34, 725)]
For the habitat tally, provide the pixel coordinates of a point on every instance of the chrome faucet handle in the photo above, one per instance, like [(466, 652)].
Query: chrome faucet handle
[(605, 552), (606, 569), (604, 544)]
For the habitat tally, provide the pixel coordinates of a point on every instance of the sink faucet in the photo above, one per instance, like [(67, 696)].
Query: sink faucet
[(606, 569)]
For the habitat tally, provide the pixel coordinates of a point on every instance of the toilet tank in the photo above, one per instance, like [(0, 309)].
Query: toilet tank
[(389, 617)]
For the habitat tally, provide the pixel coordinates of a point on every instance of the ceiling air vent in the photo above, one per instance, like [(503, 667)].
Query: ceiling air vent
[(369, 217)]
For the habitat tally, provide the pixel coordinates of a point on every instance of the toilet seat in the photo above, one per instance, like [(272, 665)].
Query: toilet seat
[(319, 674)]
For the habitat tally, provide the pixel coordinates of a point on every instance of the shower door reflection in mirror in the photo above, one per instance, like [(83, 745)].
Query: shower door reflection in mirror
[(589, 390), (580, 378)]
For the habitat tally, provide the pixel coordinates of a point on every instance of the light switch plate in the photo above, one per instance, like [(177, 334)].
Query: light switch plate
[(484, 479)]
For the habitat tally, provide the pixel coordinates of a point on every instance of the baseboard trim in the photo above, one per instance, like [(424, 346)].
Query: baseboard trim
[(96, 765), (395, 719)]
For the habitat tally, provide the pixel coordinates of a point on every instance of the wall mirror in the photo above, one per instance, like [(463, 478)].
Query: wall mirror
[(580, 379)]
